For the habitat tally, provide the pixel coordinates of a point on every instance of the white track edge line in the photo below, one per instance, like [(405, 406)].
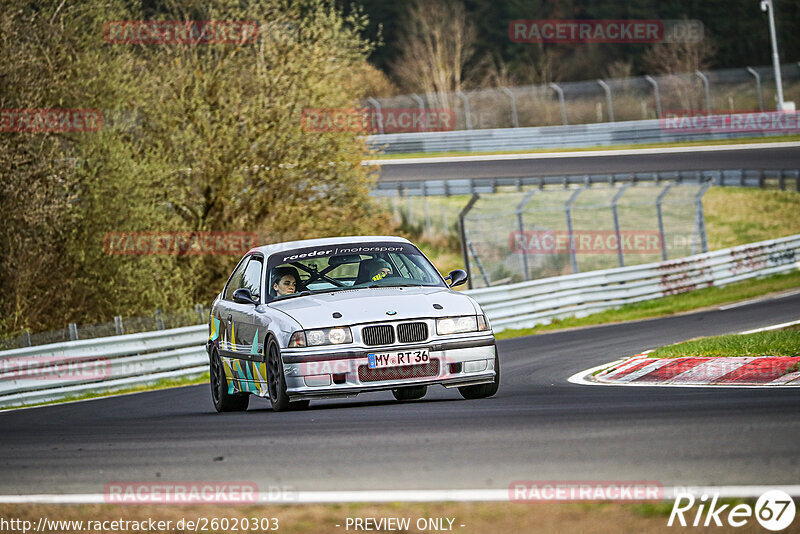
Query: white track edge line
[(773, 327), (376, 496)]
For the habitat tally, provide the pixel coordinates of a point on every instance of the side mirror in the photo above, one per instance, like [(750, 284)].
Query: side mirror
[(456, 277), (243, 296)]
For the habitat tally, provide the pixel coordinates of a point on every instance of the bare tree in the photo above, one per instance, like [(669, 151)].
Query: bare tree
[(436, 40), (680, 60)]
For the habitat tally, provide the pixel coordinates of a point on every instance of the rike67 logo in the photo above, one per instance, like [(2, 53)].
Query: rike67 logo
[(774, 510)]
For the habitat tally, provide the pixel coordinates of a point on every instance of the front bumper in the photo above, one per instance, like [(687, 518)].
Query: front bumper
[(340, 371)]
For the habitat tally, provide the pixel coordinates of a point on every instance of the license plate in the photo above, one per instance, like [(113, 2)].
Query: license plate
[(379, 360)]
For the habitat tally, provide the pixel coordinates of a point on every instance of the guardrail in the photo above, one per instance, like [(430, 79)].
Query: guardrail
[(545, 137), (60, 370), (782, 179), (57, 371), (527, 304)]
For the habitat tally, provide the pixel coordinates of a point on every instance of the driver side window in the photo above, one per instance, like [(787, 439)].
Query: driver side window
[(235, 281), (252, 277)]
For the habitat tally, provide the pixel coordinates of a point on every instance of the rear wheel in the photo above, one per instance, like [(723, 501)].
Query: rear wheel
[(481, 391), (224, 401), (410, 393), (276, 383)]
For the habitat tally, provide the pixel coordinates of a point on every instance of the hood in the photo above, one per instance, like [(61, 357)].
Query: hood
[(370, 305)]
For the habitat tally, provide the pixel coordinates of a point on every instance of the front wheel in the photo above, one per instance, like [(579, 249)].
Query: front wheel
[(276, 383), (224, 401), (481, 391), (410, 393)]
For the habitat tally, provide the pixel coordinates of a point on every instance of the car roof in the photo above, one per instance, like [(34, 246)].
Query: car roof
[(321, 242)]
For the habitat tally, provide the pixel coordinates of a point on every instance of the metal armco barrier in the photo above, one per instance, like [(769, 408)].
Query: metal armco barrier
[(60, 370), (569, 136), (527, 304), (57, 371), (782, 179)]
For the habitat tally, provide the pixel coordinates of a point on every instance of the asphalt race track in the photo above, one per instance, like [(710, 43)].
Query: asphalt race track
[(754, 158), (538, 427)]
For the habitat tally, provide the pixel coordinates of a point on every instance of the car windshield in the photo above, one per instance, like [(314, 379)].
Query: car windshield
[(349, 266)]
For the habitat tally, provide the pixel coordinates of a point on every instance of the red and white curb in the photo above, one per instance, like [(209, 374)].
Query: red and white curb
[(639, 370)]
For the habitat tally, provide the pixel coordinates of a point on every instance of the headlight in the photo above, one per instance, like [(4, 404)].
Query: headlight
[(321, 336), (456, 325)]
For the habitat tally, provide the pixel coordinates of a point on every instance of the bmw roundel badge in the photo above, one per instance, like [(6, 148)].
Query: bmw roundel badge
[(391, 312)]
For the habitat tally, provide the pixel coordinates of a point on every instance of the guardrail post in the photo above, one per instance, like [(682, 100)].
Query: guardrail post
[(118, 328), (73, 331), (377, 106), (467, 113), (615, 213), (421, 104), (560, 93), (514, 116), (707, 87), (607, 90), (425, 207), (159, 320), (26, 338), (758, 87), (568, 210), (463, 235), (652, 81), (659, 214), (521, 226)]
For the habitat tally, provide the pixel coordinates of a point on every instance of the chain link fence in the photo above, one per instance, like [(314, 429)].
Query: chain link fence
[(513, 237), (611, 100), (119, 326)]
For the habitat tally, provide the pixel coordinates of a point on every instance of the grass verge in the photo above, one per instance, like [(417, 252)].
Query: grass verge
[(670, 305), (164, 383), (774, 343), (747, 140)]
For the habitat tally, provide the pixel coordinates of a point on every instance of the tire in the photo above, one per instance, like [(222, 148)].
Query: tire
[(276, 383), (482, 391), (224, 401), (410, 393)]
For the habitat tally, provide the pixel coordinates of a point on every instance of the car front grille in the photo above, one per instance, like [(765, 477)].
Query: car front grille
[(365, 374), (378, 335), (412, 332)]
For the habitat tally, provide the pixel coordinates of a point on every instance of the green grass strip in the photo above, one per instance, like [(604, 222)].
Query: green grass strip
[(773, 343), (670, 305)]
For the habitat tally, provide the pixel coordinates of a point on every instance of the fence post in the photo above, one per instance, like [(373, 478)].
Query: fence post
[(463, 235), (521, 226), (467, 113), (660, 216), (656, 94), (607, 90), (758, 87), (707, 87), (560, 93), (377, 106), (159, 320), (26, 338), (514, 115), (73, 332), (568, 210), (118, 326), (615, 213), (700, 219)]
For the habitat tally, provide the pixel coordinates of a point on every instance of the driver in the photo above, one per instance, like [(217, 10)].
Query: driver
[(284, 281), (379, 269)]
